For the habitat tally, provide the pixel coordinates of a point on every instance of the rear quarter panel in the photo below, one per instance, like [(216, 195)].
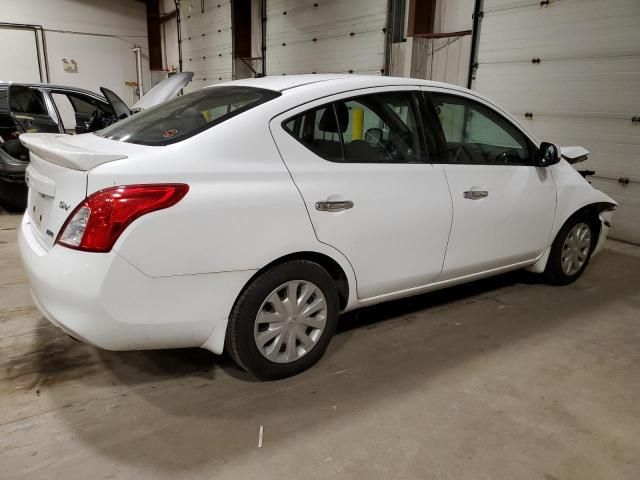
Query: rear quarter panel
[(242, 211)]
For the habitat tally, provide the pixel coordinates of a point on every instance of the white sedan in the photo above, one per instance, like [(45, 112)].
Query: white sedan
[(249, 215)]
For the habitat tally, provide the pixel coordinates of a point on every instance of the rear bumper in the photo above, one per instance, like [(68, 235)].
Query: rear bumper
[(103, 300)]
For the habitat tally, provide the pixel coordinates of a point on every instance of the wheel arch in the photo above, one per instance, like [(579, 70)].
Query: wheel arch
[(331, 265), (591, 211)]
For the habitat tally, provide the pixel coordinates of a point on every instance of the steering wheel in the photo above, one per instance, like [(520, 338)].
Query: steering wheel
[(92, 124), (508, 156), (373, 137)]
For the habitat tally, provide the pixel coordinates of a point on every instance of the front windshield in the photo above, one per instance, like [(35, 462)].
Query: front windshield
[(186, 115)]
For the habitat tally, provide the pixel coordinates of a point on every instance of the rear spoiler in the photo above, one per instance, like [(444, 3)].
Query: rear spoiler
[(574, 154), (53, 148)]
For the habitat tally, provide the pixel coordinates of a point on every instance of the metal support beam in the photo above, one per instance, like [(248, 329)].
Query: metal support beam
[(154, 34), (475, 38)]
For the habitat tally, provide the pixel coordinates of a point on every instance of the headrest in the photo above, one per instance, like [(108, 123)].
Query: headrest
[(328, 120)]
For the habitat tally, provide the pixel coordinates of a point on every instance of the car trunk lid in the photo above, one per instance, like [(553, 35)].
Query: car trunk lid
[(164, 90), (57, 180), (54, 148)]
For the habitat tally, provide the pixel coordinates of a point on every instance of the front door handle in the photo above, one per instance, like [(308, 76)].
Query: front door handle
[(334, 206), (475, 194)]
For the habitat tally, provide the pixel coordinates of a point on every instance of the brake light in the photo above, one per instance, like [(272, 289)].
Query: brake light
[(96, 224)]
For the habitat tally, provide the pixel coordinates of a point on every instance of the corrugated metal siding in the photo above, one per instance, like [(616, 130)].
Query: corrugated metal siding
[(331, 36), (206, 41), (442, 59), (584, 91)]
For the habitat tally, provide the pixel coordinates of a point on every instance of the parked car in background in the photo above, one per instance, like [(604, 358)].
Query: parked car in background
[(249, 215), (45, 108)]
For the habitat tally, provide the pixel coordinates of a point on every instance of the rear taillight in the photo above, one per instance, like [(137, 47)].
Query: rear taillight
[(96, 224)]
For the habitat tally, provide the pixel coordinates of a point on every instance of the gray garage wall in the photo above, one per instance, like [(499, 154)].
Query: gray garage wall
[(98, 35)]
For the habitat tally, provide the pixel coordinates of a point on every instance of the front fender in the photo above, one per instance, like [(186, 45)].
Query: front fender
[(574, 194)]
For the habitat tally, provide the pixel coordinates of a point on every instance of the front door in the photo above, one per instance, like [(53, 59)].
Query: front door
[(361, 166), (503, 206)]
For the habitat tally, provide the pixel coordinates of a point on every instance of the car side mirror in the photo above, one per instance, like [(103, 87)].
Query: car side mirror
[(548, 155)]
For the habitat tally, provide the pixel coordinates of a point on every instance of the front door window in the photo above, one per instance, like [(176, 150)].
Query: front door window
[(475, 134)]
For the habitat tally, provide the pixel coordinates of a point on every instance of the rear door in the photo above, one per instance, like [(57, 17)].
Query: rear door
[(503, 206), (361, 166)]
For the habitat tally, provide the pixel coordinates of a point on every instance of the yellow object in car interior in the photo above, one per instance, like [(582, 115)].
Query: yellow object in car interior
[(357, 132), (208, 116)]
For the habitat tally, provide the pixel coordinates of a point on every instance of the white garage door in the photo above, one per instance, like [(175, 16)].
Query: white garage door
[(206, 41), (584, 90), (330, 36)]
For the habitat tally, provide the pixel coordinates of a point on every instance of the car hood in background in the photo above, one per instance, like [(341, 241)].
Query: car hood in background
[(164, 91)]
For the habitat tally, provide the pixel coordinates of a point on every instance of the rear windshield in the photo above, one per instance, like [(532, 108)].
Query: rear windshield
[(186, 115)]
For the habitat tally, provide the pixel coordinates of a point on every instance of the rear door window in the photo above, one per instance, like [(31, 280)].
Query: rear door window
[(30, 110), (318, 130), (187, 115), (27, 100), (376, 128), (381, 128)]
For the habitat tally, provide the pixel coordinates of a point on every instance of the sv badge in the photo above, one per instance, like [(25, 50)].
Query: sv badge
[(64, 205)]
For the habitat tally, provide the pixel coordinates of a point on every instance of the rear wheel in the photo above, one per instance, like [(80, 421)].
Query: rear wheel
[(571, 251), (283, 321)]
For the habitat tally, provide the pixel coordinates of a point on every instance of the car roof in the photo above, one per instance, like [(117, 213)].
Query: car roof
[(281, 83), (299, 89), (50, 86)]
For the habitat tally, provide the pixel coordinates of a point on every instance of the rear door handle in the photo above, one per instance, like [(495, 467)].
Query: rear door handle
[(475, 194), (334, 206)]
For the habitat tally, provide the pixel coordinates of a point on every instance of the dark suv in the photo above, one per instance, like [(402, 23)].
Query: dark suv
[(46, 109)]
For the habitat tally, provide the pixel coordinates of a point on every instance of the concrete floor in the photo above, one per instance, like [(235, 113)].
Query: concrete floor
[(501, 379)]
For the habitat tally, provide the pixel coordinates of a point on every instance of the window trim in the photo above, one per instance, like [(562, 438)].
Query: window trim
[(335, 115), (429, 119), (413, 93), (441, 138)]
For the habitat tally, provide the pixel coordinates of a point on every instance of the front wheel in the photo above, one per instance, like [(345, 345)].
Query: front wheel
[(284, 319), (571, 251)]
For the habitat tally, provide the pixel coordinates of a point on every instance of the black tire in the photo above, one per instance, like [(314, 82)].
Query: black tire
[(554, 273), (240, 341)]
